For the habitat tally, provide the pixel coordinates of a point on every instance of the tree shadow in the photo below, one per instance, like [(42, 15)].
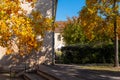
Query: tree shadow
[(45, 7), (87, 74)]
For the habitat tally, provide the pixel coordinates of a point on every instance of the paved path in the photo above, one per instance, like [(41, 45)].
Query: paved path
[(73, 72), (5, 76), (85, 74), (56, 73)]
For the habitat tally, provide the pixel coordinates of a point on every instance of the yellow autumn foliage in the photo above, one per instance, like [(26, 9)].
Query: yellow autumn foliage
[(17, 27), (97, 19)]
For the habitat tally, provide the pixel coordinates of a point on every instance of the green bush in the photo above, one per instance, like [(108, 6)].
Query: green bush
[(88, 54)]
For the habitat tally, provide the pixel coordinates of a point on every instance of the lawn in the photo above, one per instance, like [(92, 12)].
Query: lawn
[(107, 67)]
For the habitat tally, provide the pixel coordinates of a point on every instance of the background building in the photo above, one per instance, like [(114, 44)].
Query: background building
[(58, 35)]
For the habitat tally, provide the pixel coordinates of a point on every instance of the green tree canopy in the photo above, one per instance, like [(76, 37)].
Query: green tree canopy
[(73, 32)]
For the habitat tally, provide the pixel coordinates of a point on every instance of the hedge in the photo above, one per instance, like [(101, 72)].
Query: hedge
[(87, 54)]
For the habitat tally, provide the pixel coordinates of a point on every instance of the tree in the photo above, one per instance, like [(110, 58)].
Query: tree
[(73, 33), (16, 27), (116, 64), (103, 17)]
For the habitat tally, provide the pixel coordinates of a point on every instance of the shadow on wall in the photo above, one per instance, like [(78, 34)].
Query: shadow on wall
[(31, 59), (45, 7)]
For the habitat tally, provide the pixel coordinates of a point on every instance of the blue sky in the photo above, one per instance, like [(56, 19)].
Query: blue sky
[(68, 8)]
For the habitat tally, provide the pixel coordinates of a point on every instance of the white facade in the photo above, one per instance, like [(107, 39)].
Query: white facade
[(46, 8), (59, 43)]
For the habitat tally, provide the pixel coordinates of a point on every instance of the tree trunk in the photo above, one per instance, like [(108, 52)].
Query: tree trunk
[(116, 63)]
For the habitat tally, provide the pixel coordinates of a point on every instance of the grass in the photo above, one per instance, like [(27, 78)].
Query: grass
[(101, 67)]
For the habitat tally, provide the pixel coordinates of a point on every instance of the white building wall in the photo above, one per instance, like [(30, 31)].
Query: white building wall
[(58, 43)]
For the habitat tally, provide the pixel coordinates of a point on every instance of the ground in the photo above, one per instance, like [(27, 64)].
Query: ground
[(87, 73), (81, 72), (6, 76)]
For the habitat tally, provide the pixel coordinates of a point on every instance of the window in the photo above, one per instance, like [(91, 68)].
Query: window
[(59, 38)]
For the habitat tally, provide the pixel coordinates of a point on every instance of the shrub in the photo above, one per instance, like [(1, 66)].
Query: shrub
[(88, 54)]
